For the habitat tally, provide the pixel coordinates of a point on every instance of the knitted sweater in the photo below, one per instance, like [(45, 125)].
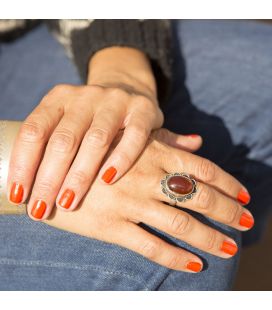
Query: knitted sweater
[(82, 38)]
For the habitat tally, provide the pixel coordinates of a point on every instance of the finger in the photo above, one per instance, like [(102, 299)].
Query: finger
[(155, 249), (212, 203), (94, 146), (185, 227), (60, 151), (190, 143), (29, 147), (207, 172), (128, 149)]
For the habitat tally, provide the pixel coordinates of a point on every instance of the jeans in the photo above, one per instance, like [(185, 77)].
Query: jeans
[(226, 98)]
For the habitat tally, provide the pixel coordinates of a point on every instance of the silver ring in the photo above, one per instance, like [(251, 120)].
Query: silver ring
[(179, 187)]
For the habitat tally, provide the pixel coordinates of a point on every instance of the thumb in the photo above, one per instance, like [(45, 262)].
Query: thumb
[(189, 143)]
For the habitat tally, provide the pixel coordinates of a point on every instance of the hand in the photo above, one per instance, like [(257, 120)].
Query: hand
[(62, 143), (111, 213)]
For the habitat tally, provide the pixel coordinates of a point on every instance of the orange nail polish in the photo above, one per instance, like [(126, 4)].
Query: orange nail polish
[(194, 266), (16, 193), (38, 209), (109, 174), (246, 220), (66, 199), (243, 197), (192, 135), (229, 248)]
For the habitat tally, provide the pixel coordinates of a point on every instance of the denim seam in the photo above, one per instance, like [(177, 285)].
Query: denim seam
[(163, 280), (67, 265)]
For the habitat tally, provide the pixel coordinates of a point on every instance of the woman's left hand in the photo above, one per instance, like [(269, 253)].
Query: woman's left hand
[(62, 143)]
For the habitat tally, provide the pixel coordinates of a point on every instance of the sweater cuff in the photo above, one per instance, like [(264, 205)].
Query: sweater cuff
[(153, 37)]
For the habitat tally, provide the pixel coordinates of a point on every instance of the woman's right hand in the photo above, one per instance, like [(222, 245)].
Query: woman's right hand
[(111, 213)]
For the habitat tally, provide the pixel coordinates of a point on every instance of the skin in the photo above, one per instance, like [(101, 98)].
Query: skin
[(111, 213), (77, 132), (72, 124)]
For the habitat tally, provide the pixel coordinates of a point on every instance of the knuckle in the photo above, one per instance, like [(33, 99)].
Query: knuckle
[(94, 91), (85, 93), (57, 91), (98, 137), (205, 199), (117, 93), (150, 110), (19, 171), (210, 241), (173, 262), (44, 187), (138, 133), (124, 159), (150, 249), (180, 223), (60, 89), (78, 178), (63, 140), (32, 131), (145, 103), (231, 214), (207, 170)]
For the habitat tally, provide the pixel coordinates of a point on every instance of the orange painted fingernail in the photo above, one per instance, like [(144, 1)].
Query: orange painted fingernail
[(109, 174), (66, 199), (16, 193), (229, 248), (38, 209), (194, 266), (246, 220), (192, 135), (243, 197)]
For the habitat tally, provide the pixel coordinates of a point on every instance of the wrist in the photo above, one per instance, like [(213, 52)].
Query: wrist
[(123, 66)]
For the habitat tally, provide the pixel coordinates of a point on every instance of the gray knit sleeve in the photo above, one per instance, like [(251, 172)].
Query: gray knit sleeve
[(83, 38)]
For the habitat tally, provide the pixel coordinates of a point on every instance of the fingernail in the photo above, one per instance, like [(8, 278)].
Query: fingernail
[(229, 248), (243, 197), (66, 199), (246, 220), (16, 193), (38, 209), (192, 135), (194, 266), (109, 174)]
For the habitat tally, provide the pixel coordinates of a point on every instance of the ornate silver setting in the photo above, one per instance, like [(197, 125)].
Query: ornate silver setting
[(173, 195)]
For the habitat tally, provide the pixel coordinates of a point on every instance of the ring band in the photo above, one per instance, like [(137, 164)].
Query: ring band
[(179, 187)]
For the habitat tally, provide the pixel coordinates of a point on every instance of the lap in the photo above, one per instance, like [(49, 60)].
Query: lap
[(36, 256), (229, 69), (229, 76)]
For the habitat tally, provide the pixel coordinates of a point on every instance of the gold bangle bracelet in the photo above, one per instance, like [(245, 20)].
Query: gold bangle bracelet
[(8, 132)]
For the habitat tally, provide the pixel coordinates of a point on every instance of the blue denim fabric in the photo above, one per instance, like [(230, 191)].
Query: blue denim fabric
[(229, 73)]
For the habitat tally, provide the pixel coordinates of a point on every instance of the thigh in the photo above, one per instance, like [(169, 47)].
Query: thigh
[(229, 76), (229, 72), (34, 256)]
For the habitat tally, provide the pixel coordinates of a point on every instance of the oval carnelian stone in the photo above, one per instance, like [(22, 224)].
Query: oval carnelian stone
[(180, 185)]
